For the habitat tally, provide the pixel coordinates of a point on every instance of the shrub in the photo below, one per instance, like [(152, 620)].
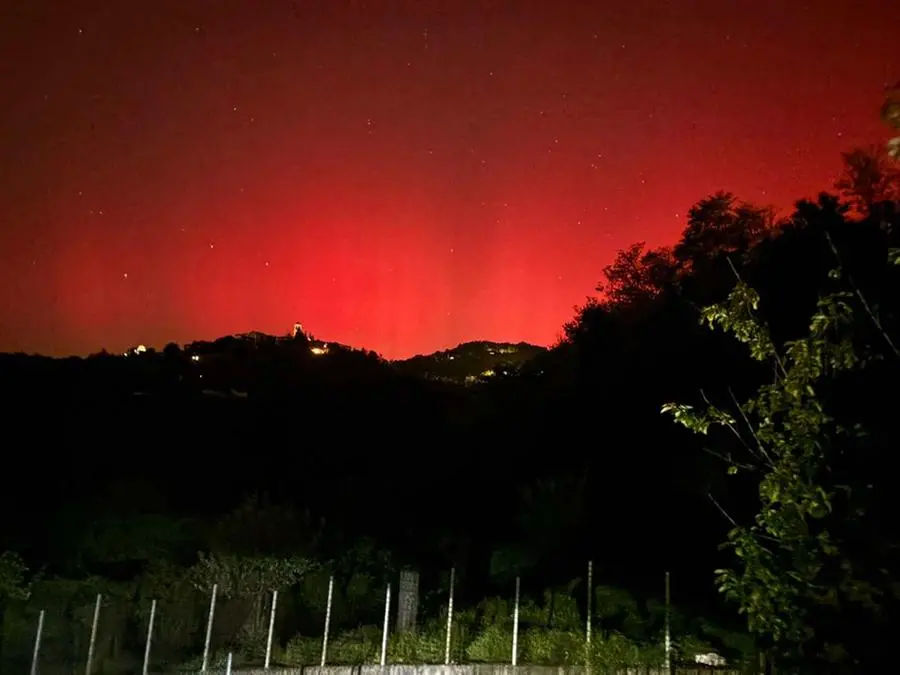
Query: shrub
[(551, 647), (616, 652), (218, 660), (424, 647), (352, 648), (492, 644), (302, 651)]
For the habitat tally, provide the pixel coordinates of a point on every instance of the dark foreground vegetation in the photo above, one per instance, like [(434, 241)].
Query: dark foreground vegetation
[(261, 464)]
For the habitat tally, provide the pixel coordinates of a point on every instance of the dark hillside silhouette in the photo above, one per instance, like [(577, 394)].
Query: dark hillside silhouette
[(471, 362)]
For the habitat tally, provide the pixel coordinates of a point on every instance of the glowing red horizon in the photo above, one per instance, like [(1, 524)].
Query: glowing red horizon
[(401, 179)]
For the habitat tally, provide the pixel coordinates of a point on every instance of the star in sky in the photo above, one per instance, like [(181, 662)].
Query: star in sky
[(480, 161)]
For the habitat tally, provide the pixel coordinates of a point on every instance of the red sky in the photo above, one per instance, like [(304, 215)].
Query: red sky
[(396, 175)]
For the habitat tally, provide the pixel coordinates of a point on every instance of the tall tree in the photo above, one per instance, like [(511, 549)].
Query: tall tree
[(720, 224), (250, 579), (636, 275), (869, 178)]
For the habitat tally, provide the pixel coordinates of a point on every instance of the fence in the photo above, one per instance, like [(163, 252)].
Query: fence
[(223, 630), (474, 669)]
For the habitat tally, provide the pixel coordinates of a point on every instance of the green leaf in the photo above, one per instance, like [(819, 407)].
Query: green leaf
[(894, 256)]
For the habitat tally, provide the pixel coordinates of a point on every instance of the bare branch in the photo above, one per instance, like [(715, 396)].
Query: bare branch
[(862, 299), (737, 434), (729, 459), (759, 444), (733, 268), (721, 510)]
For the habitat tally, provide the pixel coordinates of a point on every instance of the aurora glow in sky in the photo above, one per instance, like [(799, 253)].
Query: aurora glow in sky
[(398, 175)]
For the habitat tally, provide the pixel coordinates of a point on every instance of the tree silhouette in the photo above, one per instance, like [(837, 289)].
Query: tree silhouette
[(869, 178), (721, 224), (637, 274), (172, 351)]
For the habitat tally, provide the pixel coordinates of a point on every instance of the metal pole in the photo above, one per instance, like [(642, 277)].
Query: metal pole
[(93, 642), (209, 624), (588, 624), (327, 621), (37, 643), (228, 665), (271, 628), (515, 645), (449, 617), (149, 637), (384, 632), (590, 588), (668, 627)]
